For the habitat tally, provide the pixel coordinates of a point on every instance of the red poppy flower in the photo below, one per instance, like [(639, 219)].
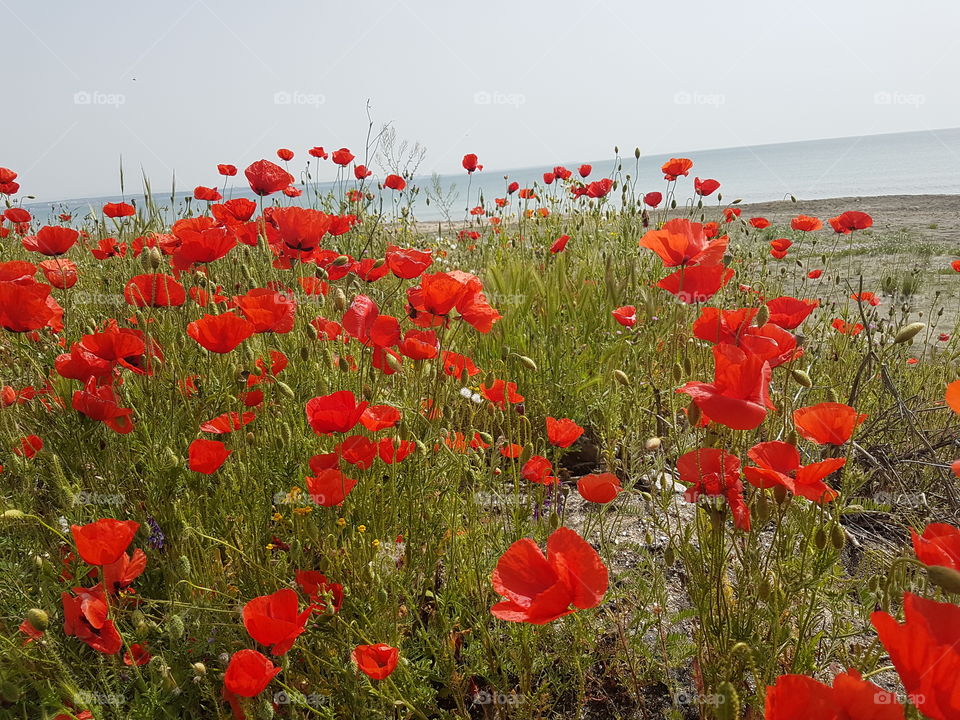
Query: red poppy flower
[(759, 223), (285, 154), (7, 175), (120, 574), (955, 265), (25, 306), (16, 270), (154, 290), (220, 333), (419, 344), (375, 661), (798, 697), (470, 163), (925, 650), (681, 242), (723, 326), (653, 199), (626, 315), (248, 673), (697, 283), (599, 488), (137, 655), (329, 487), (538, 589), (268, 310), (952, 396), (207, 194), (713, 471), (100, 403), (561, 172), (361, 172), (357, 450), (318, 152), (394, 182), (202, 246), (560, 244), (119, 210), (514, 186), (17, 215), (537, 470), (779, 247), (408, 263), (585, 170), (104, 541), (846, 223), (317, 587), (51, 240), (939, 545), (548, 178), (814, 274), (207, 456), (266, 178), (778, 463), (501, 392), (342, 157), (393, 451), (455, 364), (866, 297), (28, 446), (338, 412), (738, 396), (300, 229), (675, 167), (227, 170), (85, 617), (790, 312), (827, 423), (562, 433), (60, 272), (806, 223), (228, 422), (274, 620), (704, 188)]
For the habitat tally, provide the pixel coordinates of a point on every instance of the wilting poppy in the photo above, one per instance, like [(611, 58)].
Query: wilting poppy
[(119, 210), (925, 650), (829, 423), (329, 487), (206, 456), (154, 290), (375, 661), (599, 488), (220, 333), (538, 589), (338, 412), (681, 242), (104, 541), (266, 178), (274, 620), (778, 464), (713, 471), (562, 433), (938, 545), (798, 697), (51, 240), (248, 673), (738, 396)]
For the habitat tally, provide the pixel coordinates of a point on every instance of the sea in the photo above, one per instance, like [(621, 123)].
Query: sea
[(911, 163)]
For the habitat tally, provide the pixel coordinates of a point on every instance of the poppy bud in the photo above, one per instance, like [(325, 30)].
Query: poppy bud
[(38, 619), (340, 261), (170, 459), (820, 538), (791, 437), (141, 630), (490, 379), (486, 437), (321, 274), (12, 514), (832, 395), (393, 362), (761, 508), (669, 556), (780, 494), (250, 438), (526, 453), (285, 389), (677, 372), (945, 578), (9, 693), (687, 365), (174, 627), (184, 563), (343, 365), (908, 333), (527, 362), (621, 377), (838, 536), (693, 413), (636, 153), (729, 702), (874, 583), (801, 377), (652, 444), (763, 315), (339, 300), (764, 589), (744, 652)]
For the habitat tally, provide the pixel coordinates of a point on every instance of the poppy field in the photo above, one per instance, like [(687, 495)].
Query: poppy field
[(607, 446)]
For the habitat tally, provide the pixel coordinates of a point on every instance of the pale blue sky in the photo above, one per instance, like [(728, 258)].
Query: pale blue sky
[(184, 85)]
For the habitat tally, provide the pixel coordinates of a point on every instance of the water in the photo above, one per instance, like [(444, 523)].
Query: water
[(914, 163)]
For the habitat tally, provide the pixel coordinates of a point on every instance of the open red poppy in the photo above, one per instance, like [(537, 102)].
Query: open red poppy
[(220, 333), (104, 541), (375, 661), (274, 620)]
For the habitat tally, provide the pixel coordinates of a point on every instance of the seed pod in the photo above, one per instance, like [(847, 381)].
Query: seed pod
[(528, 362), (802, 378), (38, 619), (621, 377), (728, 702), (820, 538), (763, 315), (12, 514), (285, 389), (669, 556), (199, 669), (945, 578), (652, 444), (838, 536), (339, 300), (174, 627), (908, 332)]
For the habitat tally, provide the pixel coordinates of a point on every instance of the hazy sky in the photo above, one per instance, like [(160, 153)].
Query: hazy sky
[(184, 84)]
